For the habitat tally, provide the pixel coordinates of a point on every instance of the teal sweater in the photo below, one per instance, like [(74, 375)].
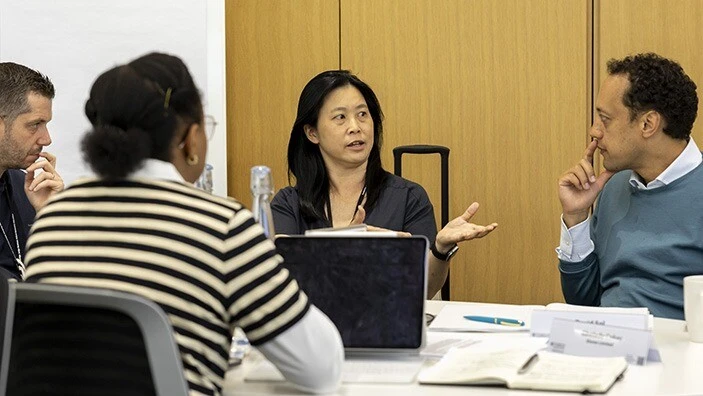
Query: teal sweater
[(646, 242)]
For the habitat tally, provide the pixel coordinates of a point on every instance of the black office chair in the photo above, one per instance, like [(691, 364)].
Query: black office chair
[(4, 304), (81, 341)]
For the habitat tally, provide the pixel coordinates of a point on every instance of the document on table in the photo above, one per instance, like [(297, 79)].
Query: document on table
[(440, 348), (451, 317)]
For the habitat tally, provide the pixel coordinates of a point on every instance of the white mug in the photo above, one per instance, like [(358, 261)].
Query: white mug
[(693, 306)]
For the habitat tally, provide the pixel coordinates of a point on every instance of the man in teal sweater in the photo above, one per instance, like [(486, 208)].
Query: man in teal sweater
[(646, 232)]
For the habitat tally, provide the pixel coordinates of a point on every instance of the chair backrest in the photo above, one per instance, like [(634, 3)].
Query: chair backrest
[(83, 341), (4, 305)]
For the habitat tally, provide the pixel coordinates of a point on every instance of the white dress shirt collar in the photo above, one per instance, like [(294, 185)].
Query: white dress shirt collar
[(687, 161), (157, 169)]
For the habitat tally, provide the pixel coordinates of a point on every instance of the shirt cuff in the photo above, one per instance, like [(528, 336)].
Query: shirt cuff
[(575, 243), (309, 354)]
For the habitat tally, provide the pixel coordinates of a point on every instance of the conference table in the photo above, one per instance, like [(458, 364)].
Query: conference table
[(679, 373)]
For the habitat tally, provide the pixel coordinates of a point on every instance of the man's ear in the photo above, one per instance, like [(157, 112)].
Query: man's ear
[(311, 134), (651, 122)]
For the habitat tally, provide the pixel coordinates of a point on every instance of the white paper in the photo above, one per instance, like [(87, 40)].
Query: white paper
[(354, 229), (593, 340), (451, 317), (440, 348), (584, 308), (542, 319)]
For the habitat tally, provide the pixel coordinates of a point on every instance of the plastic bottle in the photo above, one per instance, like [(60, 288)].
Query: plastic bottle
[(204, 182), (262, 193)]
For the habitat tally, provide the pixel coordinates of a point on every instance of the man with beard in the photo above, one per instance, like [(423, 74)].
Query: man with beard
[(25, 110)]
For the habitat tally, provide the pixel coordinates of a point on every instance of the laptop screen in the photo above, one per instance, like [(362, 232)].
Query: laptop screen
[(372, 288)]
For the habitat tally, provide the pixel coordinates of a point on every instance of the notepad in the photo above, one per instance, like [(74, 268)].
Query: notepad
[(338, 230), (356, 230), (451, 317), (524, 368)]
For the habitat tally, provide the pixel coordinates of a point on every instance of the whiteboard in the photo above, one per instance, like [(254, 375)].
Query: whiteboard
[(73, 41)]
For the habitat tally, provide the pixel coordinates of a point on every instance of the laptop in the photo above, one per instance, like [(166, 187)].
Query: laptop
[(373, 288)]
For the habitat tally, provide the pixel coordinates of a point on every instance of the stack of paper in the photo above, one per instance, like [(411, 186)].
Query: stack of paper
[(542, 317)]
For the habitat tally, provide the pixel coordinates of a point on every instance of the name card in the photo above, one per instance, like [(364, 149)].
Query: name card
[(541, 324), (596, 340)]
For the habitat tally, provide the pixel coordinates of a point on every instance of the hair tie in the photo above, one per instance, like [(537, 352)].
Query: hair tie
[(167, 98)]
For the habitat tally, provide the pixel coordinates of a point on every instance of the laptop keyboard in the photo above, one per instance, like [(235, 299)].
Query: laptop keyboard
[(381, 371), (354, 371)]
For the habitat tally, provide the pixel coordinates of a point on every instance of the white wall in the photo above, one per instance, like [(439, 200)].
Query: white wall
[(73, 41)]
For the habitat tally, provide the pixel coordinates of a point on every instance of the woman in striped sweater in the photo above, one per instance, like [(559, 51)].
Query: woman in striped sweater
[(141, 227)]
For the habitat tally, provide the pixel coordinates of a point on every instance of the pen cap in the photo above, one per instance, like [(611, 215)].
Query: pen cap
[(261, 181)]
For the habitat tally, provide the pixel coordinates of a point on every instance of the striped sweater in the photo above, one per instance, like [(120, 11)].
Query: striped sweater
[(202, 258)]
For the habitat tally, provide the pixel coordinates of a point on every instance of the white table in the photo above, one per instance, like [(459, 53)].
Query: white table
[(680, 373)]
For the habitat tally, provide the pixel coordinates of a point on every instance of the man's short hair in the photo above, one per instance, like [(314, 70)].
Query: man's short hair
[(16, 82), (659, 84)]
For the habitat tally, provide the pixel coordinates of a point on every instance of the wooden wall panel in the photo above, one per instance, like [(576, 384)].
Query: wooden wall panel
[(273, 49), (672, 29), (506, 86)]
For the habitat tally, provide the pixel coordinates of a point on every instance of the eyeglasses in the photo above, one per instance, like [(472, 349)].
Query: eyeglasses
[(210, 125)]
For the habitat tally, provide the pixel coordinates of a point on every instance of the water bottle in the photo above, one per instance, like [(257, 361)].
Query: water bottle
[(262, 193), (239, 348), (204, 182)]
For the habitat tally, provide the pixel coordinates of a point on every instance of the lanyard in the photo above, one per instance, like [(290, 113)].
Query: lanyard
[(356, 208), (18, 257)]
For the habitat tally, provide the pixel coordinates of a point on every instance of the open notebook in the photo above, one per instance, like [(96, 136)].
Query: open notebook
[(524, 367)]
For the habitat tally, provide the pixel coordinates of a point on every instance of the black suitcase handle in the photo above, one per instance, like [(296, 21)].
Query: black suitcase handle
[(428, 149), (444, 154)]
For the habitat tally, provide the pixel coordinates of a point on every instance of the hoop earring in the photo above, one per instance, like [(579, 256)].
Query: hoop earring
[(193, 160)]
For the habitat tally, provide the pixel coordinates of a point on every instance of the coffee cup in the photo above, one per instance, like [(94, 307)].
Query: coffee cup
[(693, 306)]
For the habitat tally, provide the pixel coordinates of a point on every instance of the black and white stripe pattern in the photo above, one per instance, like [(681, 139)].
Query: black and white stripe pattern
[(202, 258)]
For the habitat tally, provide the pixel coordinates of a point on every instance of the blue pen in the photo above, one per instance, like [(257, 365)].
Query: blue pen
[(494, 320)]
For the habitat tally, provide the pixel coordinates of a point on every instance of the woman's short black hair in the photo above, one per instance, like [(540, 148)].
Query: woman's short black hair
[(305, 161), (135, 110)]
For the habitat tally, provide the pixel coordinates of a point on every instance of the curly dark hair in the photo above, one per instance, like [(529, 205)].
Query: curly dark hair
[(659, 84)]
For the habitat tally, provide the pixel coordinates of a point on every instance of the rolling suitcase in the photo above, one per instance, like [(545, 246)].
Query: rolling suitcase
[(444, 205)]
